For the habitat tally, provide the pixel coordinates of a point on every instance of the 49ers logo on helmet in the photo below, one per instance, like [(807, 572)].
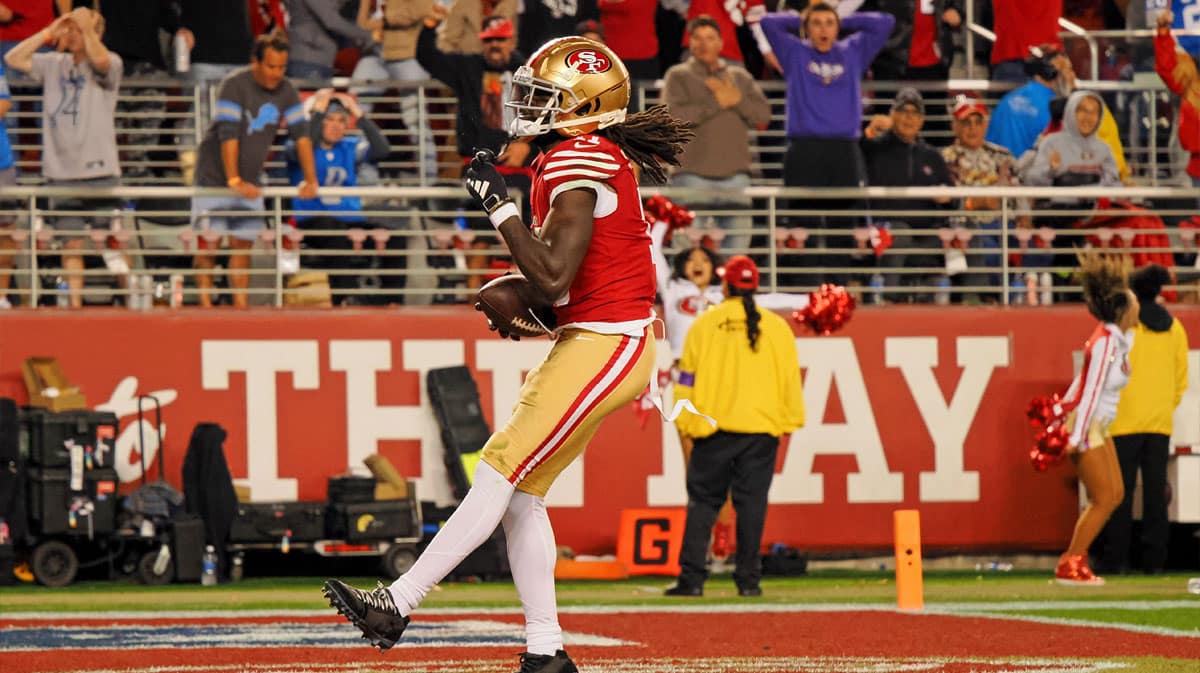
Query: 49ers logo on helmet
[(589, 61)]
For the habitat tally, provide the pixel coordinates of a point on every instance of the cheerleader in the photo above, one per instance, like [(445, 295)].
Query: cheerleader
[(1092, 404)]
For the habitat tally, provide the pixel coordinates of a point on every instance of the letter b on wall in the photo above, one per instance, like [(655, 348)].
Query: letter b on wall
[(648, 541)]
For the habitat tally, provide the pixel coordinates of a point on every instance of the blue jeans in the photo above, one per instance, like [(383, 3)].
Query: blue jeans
[(306, 71), (1012, 70), (725, 194), (374, 69)]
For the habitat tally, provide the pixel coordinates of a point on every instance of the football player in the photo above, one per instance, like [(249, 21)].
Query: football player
[(586, 251)]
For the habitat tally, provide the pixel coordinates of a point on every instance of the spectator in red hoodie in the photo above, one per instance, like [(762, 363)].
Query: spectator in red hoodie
[(1178, 72), (629, 26)]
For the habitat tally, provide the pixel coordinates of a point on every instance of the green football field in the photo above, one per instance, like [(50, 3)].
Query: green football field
[(1154, 601)]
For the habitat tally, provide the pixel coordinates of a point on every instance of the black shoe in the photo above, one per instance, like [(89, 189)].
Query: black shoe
[(750, 591), (684, 589), (544, 663), (373, 612)]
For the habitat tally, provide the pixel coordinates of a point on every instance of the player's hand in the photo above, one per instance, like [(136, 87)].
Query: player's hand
[(307, 190), (485, 183), (492, 326)]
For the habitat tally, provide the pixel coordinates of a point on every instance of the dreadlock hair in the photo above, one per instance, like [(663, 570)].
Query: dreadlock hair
[(753, 317), (651, 138), (1105, 281), (679, 263)]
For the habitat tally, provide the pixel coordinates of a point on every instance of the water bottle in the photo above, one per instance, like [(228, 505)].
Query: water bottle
[(942, 295), (1193, 585), (877, 289), (183, 55), (209, 577), (62, 293), (1047, 284), (236, 568), (1016, 293), (460, 220)]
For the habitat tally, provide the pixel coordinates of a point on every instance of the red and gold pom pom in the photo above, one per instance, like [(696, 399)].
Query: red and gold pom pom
[(1046, 413), (661, 209), (1044, 410), (828, 310)]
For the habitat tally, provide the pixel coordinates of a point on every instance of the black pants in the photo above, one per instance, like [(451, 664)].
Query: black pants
[(1149, 452), (721, 462), (824, 162), (312, 258)]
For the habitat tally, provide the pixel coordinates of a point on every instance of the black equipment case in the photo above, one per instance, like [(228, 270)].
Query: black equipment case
[(52, 502), (370, 521), (455, 400), (270, 522), (348, 490), (46, 436)]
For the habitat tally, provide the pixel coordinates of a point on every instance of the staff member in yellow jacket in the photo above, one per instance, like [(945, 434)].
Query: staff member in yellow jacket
[(1143, 425), (739, 365)]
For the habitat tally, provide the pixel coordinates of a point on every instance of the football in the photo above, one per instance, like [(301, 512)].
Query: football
[(512, 305)]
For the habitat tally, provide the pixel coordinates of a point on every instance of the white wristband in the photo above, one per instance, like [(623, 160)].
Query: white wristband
[(501, 214)]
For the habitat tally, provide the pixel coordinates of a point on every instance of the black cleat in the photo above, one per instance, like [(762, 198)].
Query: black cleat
[(681, 588), (749, 591), (544, 663), (373, 612)]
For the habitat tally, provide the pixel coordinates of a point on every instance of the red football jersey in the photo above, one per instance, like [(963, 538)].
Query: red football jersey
[(615, 283)]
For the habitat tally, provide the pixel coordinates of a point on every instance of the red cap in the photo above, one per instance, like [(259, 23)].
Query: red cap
[(496, 27), (740, 272), (965, 106)]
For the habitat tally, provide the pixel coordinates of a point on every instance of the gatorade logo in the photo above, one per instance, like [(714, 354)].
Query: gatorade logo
[(589, 61), (364, 523)]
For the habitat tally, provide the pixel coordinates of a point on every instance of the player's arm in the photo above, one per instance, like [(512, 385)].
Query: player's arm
[(548, 262)]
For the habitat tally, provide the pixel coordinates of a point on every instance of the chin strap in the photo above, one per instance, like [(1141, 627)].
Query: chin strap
[(656, 396)]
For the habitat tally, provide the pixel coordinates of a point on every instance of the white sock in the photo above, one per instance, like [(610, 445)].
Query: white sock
[(472, 523), (531, 555)]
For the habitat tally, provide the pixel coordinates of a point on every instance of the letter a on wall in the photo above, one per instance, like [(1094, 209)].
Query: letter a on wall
[(649, 540)]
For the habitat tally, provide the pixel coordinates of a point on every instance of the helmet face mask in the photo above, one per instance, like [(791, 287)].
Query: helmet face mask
[(572, 85)]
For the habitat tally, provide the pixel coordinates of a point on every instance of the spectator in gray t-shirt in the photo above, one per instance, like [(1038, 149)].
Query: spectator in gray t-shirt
[(79, 98), (252, 103)]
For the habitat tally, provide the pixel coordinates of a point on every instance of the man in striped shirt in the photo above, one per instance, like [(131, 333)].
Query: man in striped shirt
[(252, 104)]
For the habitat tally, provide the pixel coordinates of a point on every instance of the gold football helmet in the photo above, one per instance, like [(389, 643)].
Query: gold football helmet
[(572, 85)]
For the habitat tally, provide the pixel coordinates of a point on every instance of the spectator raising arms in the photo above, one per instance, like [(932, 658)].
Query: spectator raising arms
[(466, 19), (1178, 72), (824, 107), (337, 158), (79, 99)]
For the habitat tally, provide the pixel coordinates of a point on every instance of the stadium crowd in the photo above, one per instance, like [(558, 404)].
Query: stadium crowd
[(712, 58)]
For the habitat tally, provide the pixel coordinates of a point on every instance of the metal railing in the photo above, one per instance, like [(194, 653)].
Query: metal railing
[(416, 245), (158, 142)]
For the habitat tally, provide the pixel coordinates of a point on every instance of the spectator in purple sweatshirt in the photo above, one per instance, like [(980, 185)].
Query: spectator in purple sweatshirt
[(824, 116)]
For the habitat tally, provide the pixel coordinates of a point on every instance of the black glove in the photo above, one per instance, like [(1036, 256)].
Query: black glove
[(485, 183), (492, 326)]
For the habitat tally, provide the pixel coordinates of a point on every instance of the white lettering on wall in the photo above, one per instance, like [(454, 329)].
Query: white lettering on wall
[(948, 424), (367, 422), (828, 360), (261, 360), (124, 402), (1186, 430)]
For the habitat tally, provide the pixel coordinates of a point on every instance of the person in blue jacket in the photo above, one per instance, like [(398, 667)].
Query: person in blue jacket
[(337, 157), (824, 113)]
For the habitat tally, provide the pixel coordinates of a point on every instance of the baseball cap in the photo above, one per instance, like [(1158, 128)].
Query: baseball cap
[(909, 96), (965, 106), (740, 272), (590, 26), (496, 27)]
